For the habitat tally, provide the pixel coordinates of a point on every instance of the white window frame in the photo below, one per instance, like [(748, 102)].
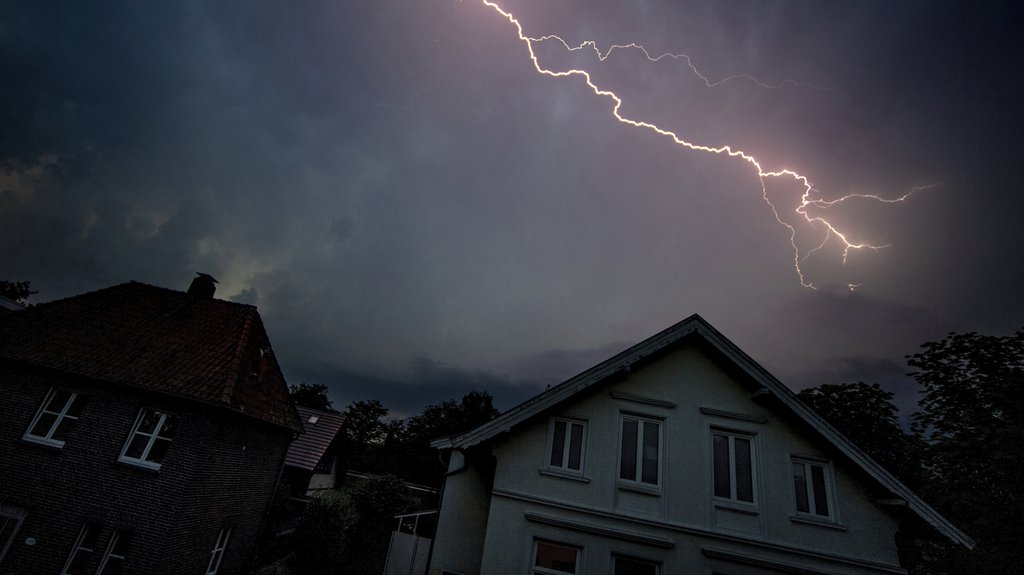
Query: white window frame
[(61, 413), (142, 460), (10, 515), (87, 528), (536, 570), (641, 420), (109, 553), (563, 466), (733, 497), (217, 554), (829, 485)]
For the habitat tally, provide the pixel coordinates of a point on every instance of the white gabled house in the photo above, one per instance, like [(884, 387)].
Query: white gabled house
[(678, 455)]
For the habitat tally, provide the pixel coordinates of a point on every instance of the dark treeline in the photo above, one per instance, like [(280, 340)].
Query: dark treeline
[(963, 453), (380, 445)]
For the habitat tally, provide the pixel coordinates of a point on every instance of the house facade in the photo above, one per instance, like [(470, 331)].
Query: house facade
[(679, 455), (142, 430)]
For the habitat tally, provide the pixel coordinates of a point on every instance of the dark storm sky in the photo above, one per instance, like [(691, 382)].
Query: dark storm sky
[(417, 212)]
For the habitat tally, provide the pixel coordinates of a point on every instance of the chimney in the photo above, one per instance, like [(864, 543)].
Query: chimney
[(202, 286)]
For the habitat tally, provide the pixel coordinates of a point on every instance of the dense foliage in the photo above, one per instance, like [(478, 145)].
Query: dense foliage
[(965, 455), (972, 419), (311, 395), (402, 448), (16, 291)]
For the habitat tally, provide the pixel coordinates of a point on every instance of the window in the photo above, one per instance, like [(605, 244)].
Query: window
[(55, 417), (555, 558), (150, 437), (218, 551), (733, 466), (10, 522), (630, 566), (566, 439), (640, 450), (812, 485), (113, 558), (85, 545)]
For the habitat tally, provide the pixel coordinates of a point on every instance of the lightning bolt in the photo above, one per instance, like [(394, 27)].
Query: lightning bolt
[(602, 56), (810, 197)]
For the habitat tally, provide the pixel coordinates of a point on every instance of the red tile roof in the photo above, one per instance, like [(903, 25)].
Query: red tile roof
[(204, 349), (309, 447)]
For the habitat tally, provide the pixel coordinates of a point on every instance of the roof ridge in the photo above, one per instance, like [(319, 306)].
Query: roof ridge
[(139, 284)]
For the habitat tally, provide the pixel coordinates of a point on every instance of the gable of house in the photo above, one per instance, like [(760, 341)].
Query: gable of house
[(141, 427), (166, 341), (678, 454)]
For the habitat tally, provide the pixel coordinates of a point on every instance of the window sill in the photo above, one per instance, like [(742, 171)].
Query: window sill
[(744, 508), (822, 522), (51, 443), (639, 488), (140, 465), (551, 472)]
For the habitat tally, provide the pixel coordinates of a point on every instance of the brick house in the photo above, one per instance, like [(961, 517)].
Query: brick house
[(142, 430)]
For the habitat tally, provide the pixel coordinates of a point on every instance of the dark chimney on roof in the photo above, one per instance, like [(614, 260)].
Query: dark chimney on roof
[(202, 286)]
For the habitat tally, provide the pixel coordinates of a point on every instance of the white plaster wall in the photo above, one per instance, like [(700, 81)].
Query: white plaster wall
[(462, 520), (691, 380)]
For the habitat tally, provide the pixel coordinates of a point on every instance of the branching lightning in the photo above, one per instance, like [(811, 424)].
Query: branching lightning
[(808, 199)]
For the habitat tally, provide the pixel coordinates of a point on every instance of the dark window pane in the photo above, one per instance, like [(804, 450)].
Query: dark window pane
[(558, 444), (158, 451), (627, 463), (59, 400), (149, 421), (75, 409), (169, 426), (820, 495), (631, 567), (137, 446), (575, 447), (721, 466), (800, 487), (744, 472), (558, 557), (649, 473), (44, 424), (61, 433)]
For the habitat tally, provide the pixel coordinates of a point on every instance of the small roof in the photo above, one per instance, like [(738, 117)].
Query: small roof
[(203, 349), (696, 326), (7, 305), (319, 430)]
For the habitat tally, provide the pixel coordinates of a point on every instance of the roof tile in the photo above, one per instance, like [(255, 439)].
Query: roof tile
[(204, 349)]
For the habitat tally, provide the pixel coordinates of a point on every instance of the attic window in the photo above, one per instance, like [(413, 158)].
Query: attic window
[(313, 419)]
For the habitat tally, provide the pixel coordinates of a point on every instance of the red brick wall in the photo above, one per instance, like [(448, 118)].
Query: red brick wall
[(220, 470)]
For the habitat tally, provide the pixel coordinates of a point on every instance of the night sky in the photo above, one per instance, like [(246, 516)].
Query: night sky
[(417, 212)]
